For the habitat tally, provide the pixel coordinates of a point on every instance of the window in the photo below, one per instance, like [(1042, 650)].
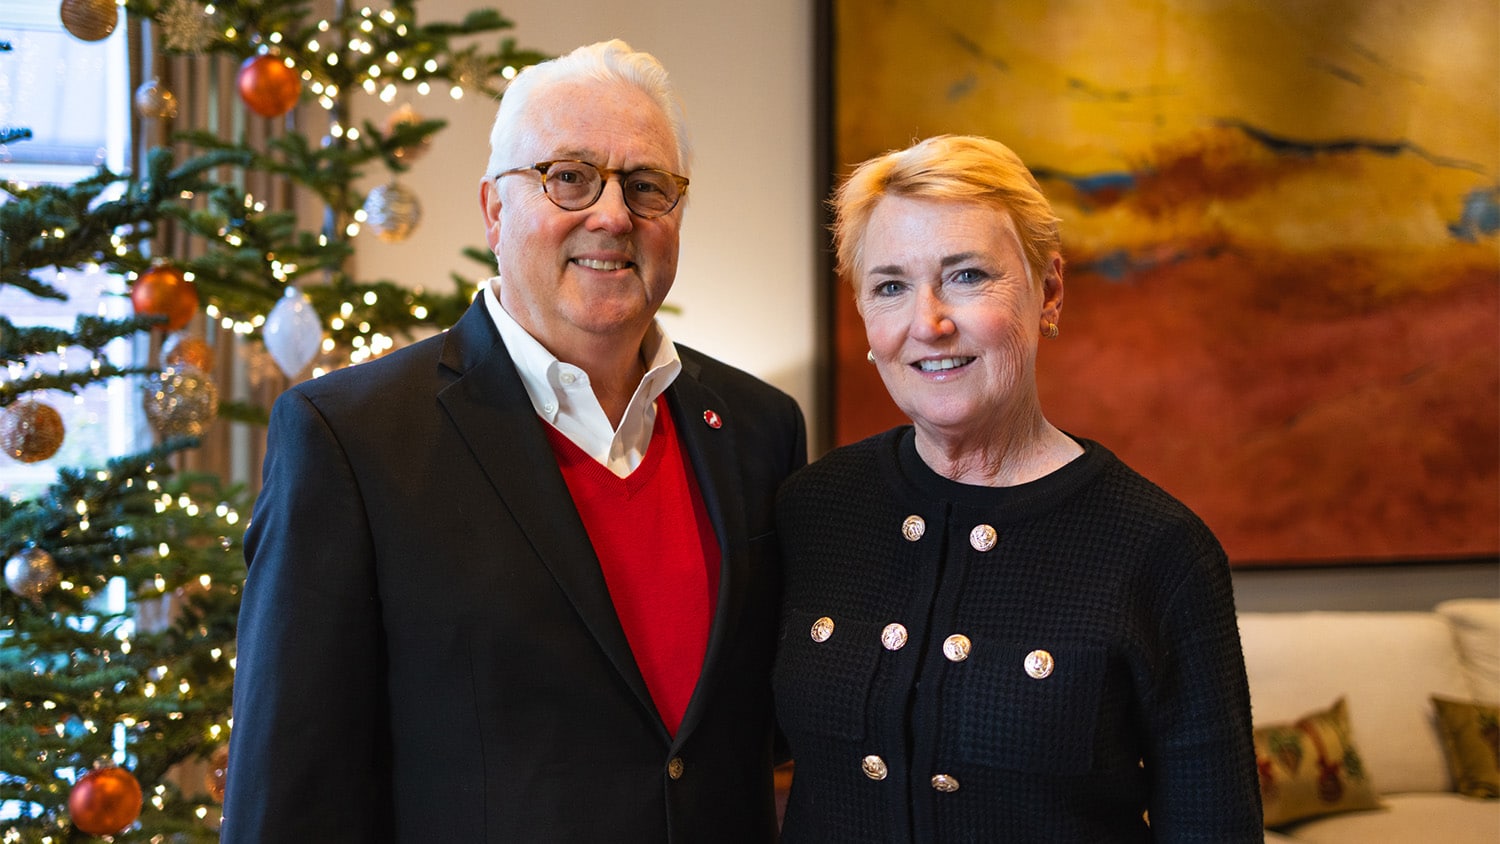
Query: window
[(71, 94)]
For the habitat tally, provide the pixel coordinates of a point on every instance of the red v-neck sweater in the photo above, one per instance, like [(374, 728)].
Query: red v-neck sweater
[(659, 554)]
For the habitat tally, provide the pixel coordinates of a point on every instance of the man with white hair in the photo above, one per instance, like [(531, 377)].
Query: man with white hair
[(518, 582)]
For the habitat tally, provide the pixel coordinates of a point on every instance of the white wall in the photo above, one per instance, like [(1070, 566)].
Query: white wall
[(744, 71)]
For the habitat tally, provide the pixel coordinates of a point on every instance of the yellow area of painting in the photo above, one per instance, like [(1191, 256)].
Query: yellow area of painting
[(1092, 86)]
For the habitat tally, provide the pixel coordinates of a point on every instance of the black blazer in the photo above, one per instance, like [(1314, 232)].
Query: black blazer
[(427, 648)]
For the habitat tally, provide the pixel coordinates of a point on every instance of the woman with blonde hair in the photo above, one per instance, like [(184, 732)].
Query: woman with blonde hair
[(993, 630)]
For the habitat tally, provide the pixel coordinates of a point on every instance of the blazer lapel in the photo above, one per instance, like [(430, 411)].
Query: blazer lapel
[(712, 452), (489, 406)]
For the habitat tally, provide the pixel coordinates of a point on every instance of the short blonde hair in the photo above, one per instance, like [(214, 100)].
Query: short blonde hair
[(604, 62), (965, 168)]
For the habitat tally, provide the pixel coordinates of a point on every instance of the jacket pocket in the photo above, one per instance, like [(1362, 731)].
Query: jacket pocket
[(1003, 715), (822, 686)]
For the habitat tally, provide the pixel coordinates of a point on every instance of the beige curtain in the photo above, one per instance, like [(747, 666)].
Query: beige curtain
[(204, 86)]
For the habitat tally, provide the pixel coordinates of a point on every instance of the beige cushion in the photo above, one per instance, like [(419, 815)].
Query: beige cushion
[(1471, 736), (1386, 665), (1476, 625), (1312, 767)]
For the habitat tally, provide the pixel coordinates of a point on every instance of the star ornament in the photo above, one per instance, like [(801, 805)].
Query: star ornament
[(187, 26)]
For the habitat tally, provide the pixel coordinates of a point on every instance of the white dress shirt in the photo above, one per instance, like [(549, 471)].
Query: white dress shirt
[(562, 395)]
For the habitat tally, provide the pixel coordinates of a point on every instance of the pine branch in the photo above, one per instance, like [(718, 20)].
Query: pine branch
[(93, 333), (71, 382)]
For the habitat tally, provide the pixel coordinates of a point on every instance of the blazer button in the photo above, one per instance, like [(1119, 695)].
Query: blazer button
[(956, 647), (674, 768), (822, 629), (893, 637), (1039, 664), (874, 767), (983, 537), (913, 528), (946, 783)]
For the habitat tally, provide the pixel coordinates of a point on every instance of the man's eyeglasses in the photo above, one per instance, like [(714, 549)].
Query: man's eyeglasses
[(575, 185)]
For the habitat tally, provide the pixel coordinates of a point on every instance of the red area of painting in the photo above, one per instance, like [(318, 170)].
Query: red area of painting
[(1306, 412)]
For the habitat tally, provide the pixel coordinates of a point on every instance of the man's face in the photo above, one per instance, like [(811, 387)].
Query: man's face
[(590, 279)]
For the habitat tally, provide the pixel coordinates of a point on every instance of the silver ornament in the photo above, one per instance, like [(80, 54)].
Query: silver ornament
[(392, 211), (32, 573), (154, 102), (181, 402)]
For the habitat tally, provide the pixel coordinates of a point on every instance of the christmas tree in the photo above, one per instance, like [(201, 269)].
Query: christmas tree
[(123, 579)]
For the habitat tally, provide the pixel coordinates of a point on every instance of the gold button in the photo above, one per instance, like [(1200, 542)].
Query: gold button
[(822, 629), (913, 528), (893, 637), (1039, 664), (946, 783), (674, 768), (983, 537), (874, 767), (956, 647)]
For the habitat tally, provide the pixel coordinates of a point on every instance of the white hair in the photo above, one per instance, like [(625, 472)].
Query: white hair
[(605, 62)]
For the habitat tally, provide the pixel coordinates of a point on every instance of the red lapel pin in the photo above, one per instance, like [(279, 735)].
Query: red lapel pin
[(712, 419)]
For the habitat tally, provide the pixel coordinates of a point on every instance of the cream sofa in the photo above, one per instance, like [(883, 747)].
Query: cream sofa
[(1386, 666)]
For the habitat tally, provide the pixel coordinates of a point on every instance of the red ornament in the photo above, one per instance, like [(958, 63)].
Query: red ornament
[(105, 801), (164, 291), (268, 86), (218, 772), (182, 350)]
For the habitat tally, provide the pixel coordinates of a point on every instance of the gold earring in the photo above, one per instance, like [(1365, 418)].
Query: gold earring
[(870, 355), (1050, 331)]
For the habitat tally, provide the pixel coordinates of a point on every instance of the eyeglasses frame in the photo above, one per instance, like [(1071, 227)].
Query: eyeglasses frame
[(605, 174)]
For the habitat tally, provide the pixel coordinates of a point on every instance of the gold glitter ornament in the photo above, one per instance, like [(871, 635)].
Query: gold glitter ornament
[(181, 402), (32, 573), (154, 102), (89, 20), (393, 212), (31, 431)]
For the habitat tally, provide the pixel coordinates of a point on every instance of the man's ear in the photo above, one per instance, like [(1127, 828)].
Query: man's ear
[(489, 206)]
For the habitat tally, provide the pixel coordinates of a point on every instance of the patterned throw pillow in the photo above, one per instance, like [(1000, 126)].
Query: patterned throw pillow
[(1471, 738), (1311, 767)]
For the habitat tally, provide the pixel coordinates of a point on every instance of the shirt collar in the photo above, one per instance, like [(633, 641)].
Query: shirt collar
[(559, 392)]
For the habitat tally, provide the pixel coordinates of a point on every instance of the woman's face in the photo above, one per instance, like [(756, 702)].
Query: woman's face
[(951, 316)]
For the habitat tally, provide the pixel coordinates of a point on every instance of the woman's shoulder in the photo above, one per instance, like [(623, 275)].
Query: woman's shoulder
[(857, 465), (1136, 498)]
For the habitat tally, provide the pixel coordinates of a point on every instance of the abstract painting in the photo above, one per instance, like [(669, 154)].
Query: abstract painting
[(1281, 222)]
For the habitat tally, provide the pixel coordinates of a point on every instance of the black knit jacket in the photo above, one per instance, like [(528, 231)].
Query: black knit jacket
[(1143, 711)]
